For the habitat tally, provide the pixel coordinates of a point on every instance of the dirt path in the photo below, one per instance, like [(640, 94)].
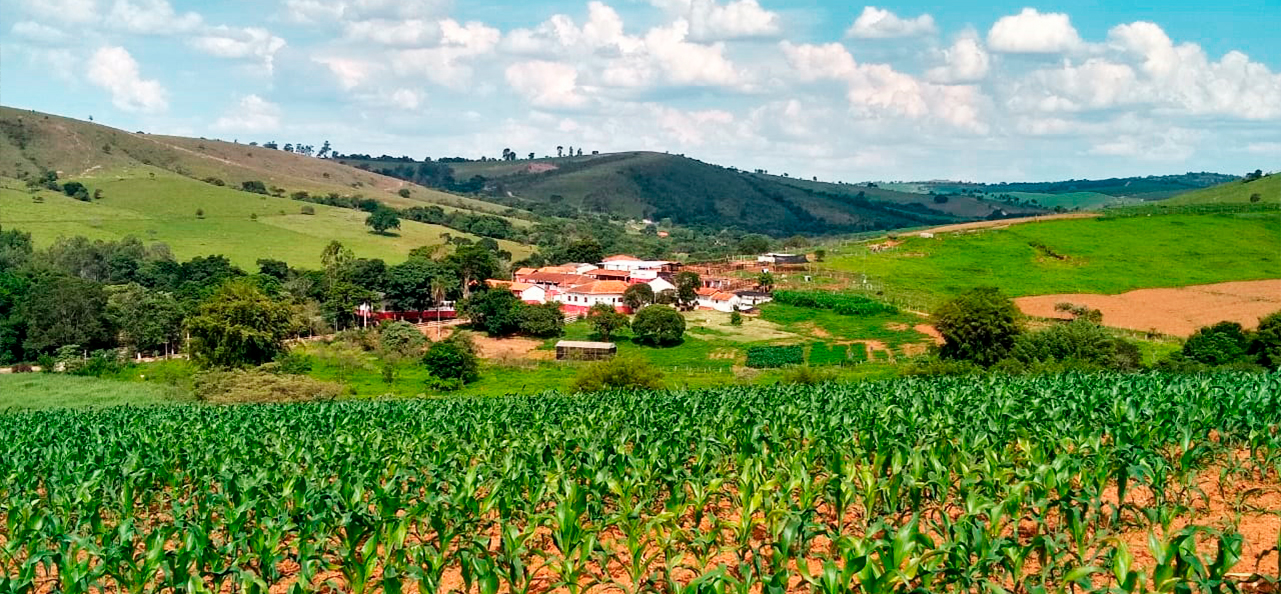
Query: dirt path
[(1175, 312), (1006, 222)]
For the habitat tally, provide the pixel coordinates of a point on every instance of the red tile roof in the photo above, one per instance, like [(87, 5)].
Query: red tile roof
[(618, 257), (605, 287)]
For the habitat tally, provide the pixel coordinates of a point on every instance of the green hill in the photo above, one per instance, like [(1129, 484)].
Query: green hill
[(151, 187), (1268, 189), (657, 186)]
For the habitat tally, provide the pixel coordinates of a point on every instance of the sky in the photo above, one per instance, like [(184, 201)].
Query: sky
[(975, 91)]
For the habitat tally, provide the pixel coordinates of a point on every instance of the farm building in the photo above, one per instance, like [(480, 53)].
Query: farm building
[(749, 298), (529, 293), (580, 298), (776, 258), (575, 350)]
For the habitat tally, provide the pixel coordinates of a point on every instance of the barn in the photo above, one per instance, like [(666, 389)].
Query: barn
[(576, 350)]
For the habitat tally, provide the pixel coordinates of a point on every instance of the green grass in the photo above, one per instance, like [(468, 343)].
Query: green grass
[(830, 326), (1071, 200), (1238, 192), (46, 390), (163, 209), (1104, 256)]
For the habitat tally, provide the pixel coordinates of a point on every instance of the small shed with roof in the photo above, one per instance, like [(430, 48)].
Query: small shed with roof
[(579, 350)]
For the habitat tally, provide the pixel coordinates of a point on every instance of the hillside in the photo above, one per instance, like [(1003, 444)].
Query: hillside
[(660, 186), (1268, 189), (151, 188)]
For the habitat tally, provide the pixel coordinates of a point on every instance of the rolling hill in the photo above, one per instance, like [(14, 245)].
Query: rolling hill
[(151, 187), (657, 186), (1267, 188)]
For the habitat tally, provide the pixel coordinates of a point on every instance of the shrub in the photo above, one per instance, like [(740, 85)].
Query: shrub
[(1220, 344), (366, 339), (980, 325), (23, 368), (619, 373), (399, 337), (100, 363), (1080, 340), (453, 359), (543, 321), (761, 357), (215, 181), (934, 366), (255, 187), (293, 363), (735, 318), (495, 312), (238, 386), (308, 209), (658, 325), (1266, 346), (404, 192)]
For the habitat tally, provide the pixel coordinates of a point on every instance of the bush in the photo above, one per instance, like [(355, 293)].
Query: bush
[(735, 318), (980, 325), (404, 192), (934, 366), (400, 337), (1266, 346), (761, 357), (606, 320), (619, 373), (1080, 340), (543, 321), (841, 303), (495, 312), (238, 386), (255, 187), (292, 363), (215, 181), (308, 209), (366, 339), (47, 363), (658, 325), (1220, 344), (23, 368), (453, 359)]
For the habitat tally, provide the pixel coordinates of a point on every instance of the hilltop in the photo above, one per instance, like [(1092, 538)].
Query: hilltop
[(152, 186), (660, 186), (1267, 189)]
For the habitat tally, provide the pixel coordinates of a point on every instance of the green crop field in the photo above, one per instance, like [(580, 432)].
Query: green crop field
[(1110, 255), (163, 209), (1090, 483)]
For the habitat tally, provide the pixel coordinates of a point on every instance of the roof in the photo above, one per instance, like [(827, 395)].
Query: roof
[(751, 293), (558, 278), (521, 286), (722, 296), (610, 273), (620, 257), (705, 291), (495, 283), (582, 344), (566, 269), (605, 287), (525, 271)]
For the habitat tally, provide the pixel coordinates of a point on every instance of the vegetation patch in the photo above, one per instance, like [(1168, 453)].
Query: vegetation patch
[(762, 357), (842, 303)]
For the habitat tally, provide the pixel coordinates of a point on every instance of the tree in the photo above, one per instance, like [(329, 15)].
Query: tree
[(342, 299), (753, 243), (735, 318), (980, 325), (495, 312), (403, 193), (666, 297), (1254, 175), (335, 258), (765, 281), (687, 285), (409, 285), (619, 373), (397, 337), (560, 151), (62, 310), (1220, 344), (472, 263), (74, 189), (1266, 346), (531, 156), (453, 359), (368, 273), (658, 325), (238, 326), (543, 321), (200, 213), (382, 219), (586, 250), (324, 150), (605, 320), (638, 295), (820, 254), (1255, 197), (255, 187), (146, 320), (273, 268)]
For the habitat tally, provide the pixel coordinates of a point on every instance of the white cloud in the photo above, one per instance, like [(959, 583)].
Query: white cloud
[(1032, 32), (329, 12), (546, 84), (38, 33), (251, 114), (61, 11), (151, 17), (557, 35), (349, 72), (878, 23), (113, 69), (689, 63), (405, 99), (817, 62), (1264, 148), (412, 32), (250, 43), (448, 63), (964, 62), (711, 21)]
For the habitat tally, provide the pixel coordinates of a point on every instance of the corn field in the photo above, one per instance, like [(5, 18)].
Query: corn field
[(1070, 483)]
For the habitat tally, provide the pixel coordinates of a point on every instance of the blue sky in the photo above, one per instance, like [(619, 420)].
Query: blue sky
[(841, 91)]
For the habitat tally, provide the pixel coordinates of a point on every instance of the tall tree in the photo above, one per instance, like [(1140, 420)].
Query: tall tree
[(63, 310), (145, 320), (687, 285), (238, 326), (979, 325), (383, 219), (472, 263)]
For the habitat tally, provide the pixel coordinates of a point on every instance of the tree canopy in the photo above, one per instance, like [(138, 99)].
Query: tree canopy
[(238, 326)]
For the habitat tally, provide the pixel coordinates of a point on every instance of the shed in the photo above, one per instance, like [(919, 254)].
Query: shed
[(575, 350)]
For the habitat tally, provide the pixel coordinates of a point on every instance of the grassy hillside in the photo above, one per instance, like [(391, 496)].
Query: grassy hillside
[(32, 142), (662, 186), (962, 206), (1109, 255), (1237, 192), (240, 225)]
